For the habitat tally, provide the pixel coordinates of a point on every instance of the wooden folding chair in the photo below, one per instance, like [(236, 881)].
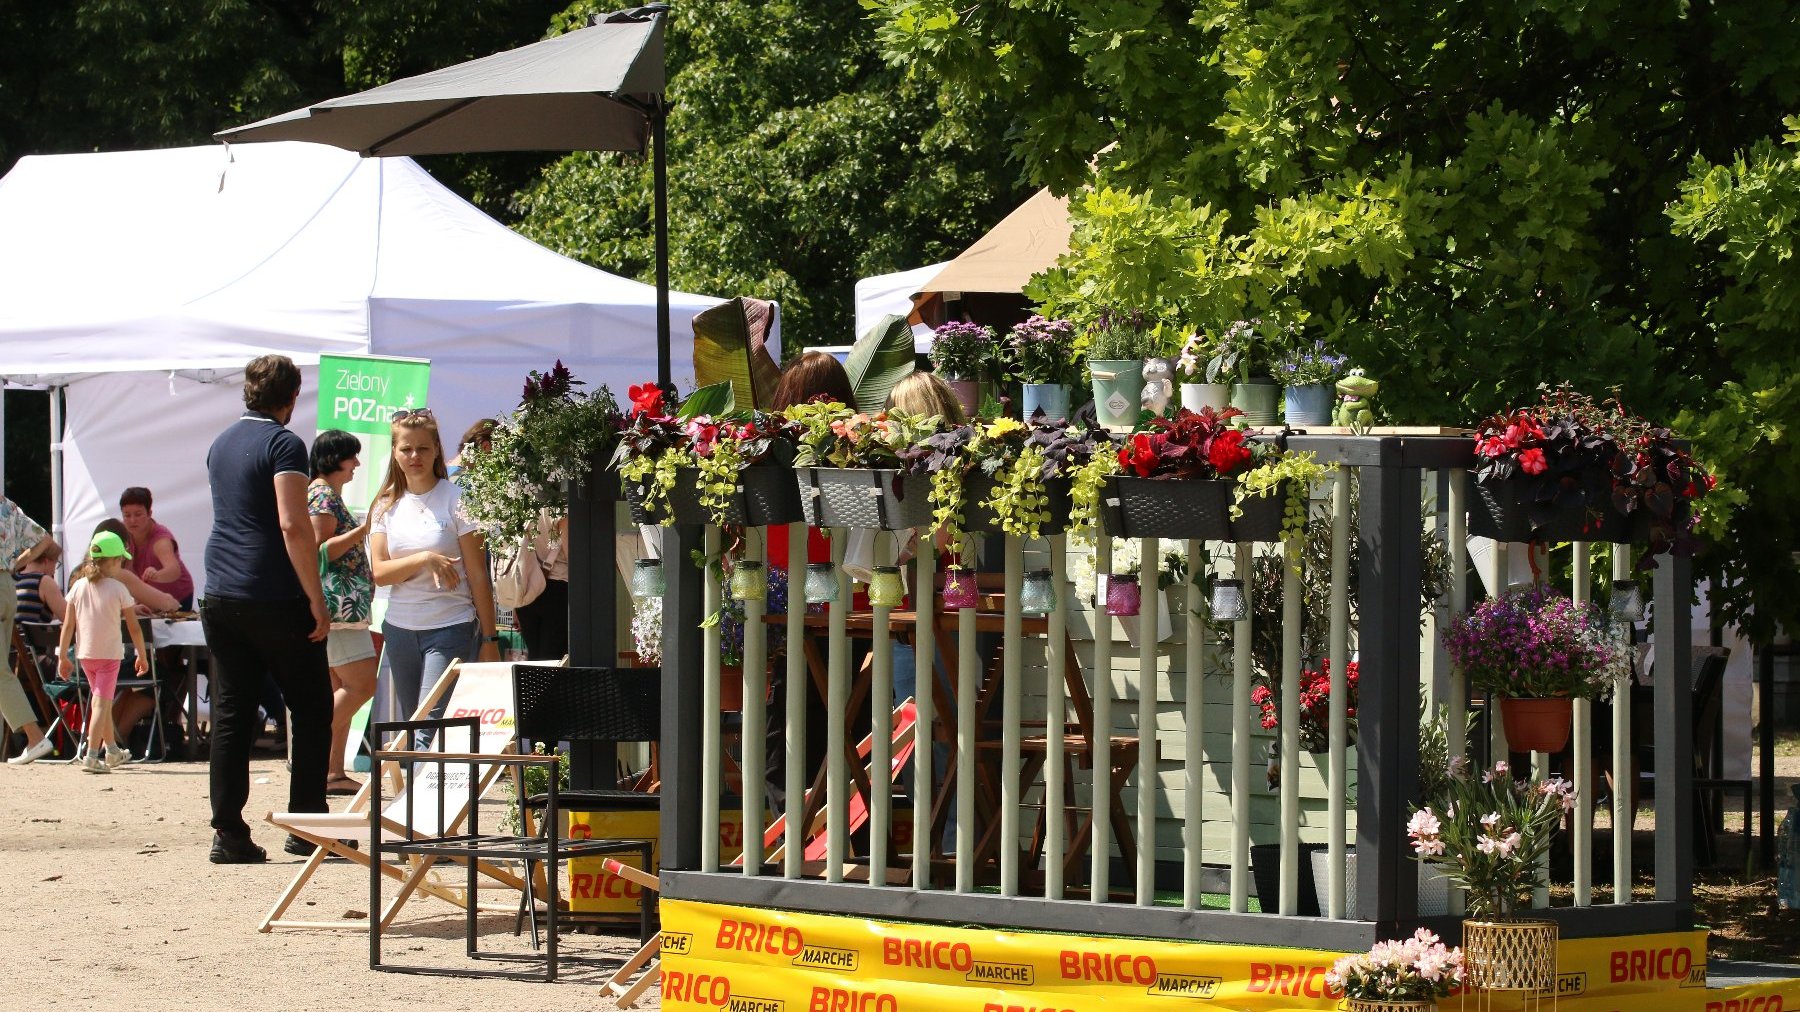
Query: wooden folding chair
[(646, 963), (342, 834)]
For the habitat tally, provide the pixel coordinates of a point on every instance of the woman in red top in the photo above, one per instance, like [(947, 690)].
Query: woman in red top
[(155, 557)]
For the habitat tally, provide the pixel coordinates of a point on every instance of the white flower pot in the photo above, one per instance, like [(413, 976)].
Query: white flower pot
[(1195, 396), (1434, 885)]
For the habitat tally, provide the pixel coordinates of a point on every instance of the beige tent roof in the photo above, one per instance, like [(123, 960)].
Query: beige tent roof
[(1025, 242)]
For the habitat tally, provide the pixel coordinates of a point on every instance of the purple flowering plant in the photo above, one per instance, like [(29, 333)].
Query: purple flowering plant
[(1301, 367), (1043, 351), (1534, 642), (963, 351)]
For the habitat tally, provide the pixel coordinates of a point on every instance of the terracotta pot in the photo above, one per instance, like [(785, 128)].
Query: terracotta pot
[(1536, 725), (731, 687)]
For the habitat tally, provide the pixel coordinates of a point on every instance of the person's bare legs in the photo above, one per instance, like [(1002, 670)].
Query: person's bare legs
[(354, 685)]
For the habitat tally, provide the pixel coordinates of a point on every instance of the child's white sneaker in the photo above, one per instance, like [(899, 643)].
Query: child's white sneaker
[(116, 757), (94, 764)]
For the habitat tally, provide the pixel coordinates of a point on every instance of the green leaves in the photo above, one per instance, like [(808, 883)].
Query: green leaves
[(715, 400), (731, 347), (881, 358)]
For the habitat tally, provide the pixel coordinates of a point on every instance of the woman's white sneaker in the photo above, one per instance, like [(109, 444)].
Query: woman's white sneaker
[(33, 753)]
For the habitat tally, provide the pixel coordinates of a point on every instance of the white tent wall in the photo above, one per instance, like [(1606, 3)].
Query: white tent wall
[(892, 294)]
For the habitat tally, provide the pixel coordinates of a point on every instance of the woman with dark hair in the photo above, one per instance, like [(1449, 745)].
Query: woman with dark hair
[(479, 436), (810, 377), (155, 557), (349, 586)]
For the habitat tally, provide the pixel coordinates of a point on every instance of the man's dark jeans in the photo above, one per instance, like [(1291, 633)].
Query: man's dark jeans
[(250, 642)]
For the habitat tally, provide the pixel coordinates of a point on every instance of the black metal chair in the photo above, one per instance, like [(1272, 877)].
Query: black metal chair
[(472, 845), (604, 706)]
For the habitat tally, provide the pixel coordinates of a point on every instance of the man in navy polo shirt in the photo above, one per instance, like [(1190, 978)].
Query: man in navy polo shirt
[(264, 612)]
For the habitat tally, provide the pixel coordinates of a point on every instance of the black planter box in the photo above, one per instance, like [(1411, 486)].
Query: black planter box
[(1265, 871), (766, 496), (1187, 509), (883, 500), (978, 519), (1524, 509)]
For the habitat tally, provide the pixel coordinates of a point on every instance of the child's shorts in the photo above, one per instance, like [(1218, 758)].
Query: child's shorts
[(102, 676)]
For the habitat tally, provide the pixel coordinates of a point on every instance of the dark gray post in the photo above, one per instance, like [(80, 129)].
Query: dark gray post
[(680, 753), (1672, 678), (1765, 748), (592, 552), (1387, 752)]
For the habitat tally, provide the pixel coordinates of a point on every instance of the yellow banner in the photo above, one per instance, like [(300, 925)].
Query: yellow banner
[(754, 960), (592, 890)]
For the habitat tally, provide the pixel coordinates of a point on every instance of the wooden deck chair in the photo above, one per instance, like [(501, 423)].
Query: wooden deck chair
[(471, 688), (646, 963)]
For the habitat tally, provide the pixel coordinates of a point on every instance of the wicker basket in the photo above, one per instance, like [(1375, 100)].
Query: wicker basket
[(1512, 954), (1504, 510), (1184, 509), (883, 500), (1376, 1005), (978, 519), (766, 496)]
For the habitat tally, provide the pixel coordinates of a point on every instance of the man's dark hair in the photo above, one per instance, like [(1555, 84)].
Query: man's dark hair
[(331, 449), (271, 382), (136, 495)]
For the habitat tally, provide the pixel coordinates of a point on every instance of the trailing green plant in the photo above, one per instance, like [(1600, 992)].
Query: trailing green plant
[(550, 439), (1087, 482), (721, 448), (1291, 472), (1022, 459)]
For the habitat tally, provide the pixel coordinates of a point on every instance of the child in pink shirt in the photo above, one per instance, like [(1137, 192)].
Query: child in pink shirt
[(98, 605)]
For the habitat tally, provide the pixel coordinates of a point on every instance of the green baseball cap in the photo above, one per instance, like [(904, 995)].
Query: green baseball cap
[(107, 545)]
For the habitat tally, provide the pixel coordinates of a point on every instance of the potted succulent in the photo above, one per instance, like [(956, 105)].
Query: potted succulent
[(850, 470), (1571, 469), (1404, 975), (1306, 376), (1118, 343), (1043, 360), (1490, 834), (1197, 391), (1536, 650), (556, 435), (962, 353), (1177, 479)]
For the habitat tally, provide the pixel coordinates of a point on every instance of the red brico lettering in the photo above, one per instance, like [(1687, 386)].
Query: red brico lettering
[(990, 1007), (490, 716), (1651, 964), (837, 999), (930, 955), (699, 989), (1290, 979), (1766, 1003), (1107, 967), (602, 886), (749, 936)]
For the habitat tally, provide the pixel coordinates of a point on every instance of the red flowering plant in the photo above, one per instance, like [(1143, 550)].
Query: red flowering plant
[(1315, 703), (1193, 444), (1595, 456), (662, 435)]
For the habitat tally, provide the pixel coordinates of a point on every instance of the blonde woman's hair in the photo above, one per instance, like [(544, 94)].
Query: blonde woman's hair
[(395, 483), (922, 393)]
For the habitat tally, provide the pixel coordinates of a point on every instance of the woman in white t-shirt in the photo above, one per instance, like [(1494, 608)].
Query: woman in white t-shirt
[(423, 545)]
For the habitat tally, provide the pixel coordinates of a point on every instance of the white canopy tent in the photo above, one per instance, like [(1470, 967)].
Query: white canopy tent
[(141, 282), (892, 295)]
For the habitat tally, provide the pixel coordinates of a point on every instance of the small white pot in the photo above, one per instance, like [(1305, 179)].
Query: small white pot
[(1195, 396)]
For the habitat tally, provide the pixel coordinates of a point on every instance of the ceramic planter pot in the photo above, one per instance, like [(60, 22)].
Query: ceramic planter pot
[(1184, 509), (1434, 885), (1259, 400), (1195, 396), (1118, 392), (731, 688), (1265, 873), (968, 394), (1308, 405), (1050, 398), (1536, 725), (884, 500)]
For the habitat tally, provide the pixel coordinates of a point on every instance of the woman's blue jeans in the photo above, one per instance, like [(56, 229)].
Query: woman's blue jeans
[(412, 661)]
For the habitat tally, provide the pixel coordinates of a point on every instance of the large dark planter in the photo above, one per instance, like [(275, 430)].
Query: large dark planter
[(978, 519), (884, 500), (766, 496), (1187, 509), (1265, 871), (1523, 509)]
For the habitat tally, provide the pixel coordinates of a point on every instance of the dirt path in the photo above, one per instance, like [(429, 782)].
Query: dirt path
[(108, 896)]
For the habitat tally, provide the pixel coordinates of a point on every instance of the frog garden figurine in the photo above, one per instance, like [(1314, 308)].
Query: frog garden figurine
[(1356, 399)]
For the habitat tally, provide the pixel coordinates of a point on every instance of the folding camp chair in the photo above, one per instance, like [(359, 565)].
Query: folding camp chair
[(68, 698), (646, 963), (472, 688)]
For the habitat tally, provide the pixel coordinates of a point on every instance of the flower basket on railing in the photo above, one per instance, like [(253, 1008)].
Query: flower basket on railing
[(765, 496), (979, 517), (1182, 509), (882, 499), (1568, 469)]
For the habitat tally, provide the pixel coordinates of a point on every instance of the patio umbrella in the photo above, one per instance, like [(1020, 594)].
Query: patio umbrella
[(599, 88)]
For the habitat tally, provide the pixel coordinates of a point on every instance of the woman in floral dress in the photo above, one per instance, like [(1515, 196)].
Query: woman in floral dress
[(349, 585)]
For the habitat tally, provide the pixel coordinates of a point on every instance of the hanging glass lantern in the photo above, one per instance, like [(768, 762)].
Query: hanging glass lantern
[(1123, 597), (749, 581), (960, 590), (1038, 596), (885, 588), (647, 579), (821, 583), (1627, 603), (1228, 601)]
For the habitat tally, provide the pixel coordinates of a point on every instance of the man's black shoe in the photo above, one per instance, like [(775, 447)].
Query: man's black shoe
[(299, 847), (236, 850)]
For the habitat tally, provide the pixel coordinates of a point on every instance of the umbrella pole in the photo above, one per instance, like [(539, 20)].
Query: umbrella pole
[(660, 171)]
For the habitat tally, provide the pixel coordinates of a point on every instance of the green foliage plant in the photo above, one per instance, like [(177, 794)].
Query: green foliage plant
[(1291, 473), (532, 781), (1490, 834), (1128, 336)]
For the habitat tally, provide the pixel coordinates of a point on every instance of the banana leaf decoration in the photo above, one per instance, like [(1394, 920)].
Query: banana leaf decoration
[(880, 359), (731, 346)]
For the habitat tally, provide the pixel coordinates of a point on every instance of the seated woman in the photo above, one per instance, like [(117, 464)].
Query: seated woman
[(155, 557), (40, 599)]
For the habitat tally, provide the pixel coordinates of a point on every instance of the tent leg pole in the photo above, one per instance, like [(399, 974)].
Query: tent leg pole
[(660, 171), (56, 469)]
